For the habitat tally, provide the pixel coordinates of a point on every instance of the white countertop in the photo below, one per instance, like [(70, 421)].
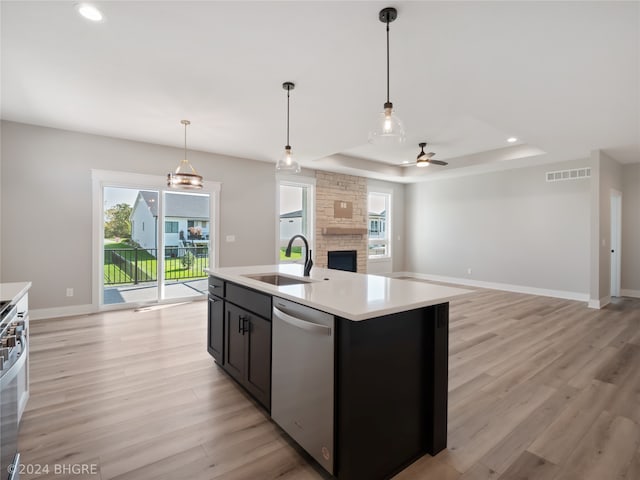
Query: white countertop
[(354, 296), (12, 292)]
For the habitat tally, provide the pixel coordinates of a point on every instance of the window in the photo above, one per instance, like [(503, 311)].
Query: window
[(295, 216), (171, 227), (379, 222)]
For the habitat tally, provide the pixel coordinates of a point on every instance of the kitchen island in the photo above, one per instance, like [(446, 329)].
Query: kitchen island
[(363, 387)]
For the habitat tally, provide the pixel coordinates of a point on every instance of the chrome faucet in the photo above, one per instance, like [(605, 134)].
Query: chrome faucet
[(308, 263)]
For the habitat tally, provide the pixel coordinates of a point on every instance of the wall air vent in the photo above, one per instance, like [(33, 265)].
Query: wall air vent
[(573, 174)]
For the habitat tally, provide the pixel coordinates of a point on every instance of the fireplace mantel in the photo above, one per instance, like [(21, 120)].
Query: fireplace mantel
[(344, 230)]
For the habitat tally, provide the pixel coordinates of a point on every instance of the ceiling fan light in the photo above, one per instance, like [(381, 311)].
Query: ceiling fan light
[(422, 162)]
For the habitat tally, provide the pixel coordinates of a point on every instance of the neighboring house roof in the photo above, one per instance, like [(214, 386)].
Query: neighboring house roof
[(177, 205), (294, 214), (381, 214), (151, 199)]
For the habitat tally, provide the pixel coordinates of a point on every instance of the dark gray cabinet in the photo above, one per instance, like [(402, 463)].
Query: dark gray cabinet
[(215, 324), (215, 342), (240, 336)]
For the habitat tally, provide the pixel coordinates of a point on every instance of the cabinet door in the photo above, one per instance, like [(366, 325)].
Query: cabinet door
[(235, 321), (258, 374), (216, 329)]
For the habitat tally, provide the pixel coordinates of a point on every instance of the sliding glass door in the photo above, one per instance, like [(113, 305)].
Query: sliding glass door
[(187, 240), (154, 244)]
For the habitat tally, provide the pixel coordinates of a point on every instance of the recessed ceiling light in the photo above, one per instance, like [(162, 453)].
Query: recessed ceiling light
[(90, 12), (405, 161), (512, 139)]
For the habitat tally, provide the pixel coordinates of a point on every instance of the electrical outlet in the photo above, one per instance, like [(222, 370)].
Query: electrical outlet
[(468, 271), (231, 238), (69, 292)]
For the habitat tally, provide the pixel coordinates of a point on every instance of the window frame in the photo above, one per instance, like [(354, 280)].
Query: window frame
[(296, 181), (101, 179), (387, 240)]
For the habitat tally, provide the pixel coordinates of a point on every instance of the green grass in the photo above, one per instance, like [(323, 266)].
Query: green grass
[(296, 254), (173, 268)]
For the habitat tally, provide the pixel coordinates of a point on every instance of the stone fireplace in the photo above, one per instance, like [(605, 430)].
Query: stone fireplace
[(341, 217)]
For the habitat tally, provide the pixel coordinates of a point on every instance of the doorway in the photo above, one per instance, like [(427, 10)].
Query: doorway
[(616, 241), (151, 244)]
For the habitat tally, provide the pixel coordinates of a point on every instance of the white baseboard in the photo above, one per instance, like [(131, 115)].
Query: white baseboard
[(581, 297), (630, 293), (73, 310), (601, 303)]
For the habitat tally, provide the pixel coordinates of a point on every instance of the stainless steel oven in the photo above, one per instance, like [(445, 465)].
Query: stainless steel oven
[(12, 360)]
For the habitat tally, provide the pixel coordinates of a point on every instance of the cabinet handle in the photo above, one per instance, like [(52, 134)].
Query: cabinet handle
[(242, 324)]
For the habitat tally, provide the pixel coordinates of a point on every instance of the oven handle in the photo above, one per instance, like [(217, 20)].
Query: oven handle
[(15, 368), (299, 323), (15, 471)]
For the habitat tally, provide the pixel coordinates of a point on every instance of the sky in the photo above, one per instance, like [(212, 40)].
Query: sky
[(114, 196)]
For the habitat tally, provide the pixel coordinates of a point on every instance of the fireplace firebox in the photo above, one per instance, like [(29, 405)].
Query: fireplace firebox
[(343, 260)]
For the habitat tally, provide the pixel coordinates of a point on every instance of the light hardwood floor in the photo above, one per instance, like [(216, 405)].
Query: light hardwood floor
[(540, 388)]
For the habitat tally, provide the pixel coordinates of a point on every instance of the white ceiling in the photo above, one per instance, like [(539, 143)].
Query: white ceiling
[(563, 77)]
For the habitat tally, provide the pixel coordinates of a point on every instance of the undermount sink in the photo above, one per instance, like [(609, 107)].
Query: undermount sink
[(277, 279)]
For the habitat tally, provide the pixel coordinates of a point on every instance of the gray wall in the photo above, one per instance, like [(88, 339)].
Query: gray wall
[(509, 227), (631, 228), (46, 214)]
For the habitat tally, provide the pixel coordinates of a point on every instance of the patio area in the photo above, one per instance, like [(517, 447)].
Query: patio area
[(142, 293)]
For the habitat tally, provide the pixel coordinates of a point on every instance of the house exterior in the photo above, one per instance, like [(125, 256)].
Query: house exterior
[(377, 224), (290, 224), (144, 220), (186, 220)]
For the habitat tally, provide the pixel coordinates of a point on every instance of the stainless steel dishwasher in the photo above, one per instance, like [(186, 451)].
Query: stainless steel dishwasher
[(302, 377)]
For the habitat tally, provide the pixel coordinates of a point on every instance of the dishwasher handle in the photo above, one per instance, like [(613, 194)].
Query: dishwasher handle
[(302, 324)]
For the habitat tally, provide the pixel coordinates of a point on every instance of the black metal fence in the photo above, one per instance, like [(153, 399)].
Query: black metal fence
[(137, 265)]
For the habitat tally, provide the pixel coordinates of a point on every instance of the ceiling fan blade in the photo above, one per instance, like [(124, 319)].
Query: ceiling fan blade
[(430, 154), (438, 162)]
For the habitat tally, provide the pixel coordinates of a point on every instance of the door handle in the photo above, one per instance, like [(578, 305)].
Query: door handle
[(302, 324)]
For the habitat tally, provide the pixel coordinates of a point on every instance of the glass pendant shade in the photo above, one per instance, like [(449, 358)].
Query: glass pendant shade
[(389, 129), (185, 176), (287, 164)]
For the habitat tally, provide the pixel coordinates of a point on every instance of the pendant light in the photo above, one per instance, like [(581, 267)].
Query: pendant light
[(185, 175), (287, 164), (389, 129)]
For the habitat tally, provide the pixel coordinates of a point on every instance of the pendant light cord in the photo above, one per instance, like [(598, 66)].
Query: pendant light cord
[(288, 90), (388, 60), (185, 141)]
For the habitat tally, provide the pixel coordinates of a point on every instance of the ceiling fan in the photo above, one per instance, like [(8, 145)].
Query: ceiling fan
[(426, 159)]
